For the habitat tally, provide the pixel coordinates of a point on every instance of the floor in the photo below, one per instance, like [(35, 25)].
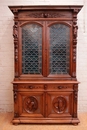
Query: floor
[(5, 124)]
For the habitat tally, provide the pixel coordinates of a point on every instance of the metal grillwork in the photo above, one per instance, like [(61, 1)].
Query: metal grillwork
[(59, 49), (31, 49)]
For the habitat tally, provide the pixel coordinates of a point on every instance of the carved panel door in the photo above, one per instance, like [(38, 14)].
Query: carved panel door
[(31, 104), (60, 104)]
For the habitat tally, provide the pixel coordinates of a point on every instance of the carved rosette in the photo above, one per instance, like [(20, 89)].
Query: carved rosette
[(30, 104), (59, 104)]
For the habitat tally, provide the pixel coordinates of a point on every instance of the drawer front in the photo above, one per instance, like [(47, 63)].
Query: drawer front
[(60, 87), (44, 87), (30, 87)]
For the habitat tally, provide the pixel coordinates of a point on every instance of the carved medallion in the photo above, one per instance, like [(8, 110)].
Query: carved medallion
[(30, 104), (59, 104)]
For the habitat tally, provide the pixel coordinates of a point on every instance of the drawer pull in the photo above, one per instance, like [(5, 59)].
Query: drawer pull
[(31, 87), (60, 87)]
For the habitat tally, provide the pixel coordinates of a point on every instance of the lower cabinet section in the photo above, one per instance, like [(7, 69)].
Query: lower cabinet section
[(45, 103)]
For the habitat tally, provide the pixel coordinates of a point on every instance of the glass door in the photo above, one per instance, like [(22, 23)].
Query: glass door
[(59, 43)]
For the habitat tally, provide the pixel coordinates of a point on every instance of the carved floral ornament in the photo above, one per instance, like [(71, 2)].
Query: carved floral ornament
[(45, 15)]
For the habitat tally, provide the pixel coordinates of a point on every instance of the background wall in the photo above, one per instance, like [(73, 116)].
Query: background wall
[(7, 50)]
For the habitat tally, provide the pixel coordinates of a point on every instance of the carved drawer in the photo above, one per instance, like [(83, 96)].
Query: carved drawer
[(60, 87), (43, 87), (30, 87)]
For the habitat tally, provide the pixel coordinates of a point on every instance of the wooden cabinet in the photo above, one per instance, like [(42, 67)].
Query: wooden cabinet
[(45, 85)]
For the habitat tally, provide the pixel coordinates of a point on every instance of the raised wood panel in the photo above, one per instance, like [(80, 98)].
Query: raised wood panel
[(60, 104), (31, 104)]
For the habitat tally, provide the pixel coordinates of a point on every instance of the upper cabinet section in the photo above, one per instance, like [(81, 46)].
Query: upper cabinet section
[(45, 39)]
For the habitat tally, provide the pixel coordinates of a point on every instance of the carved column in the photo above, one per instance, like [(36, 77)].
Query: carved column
[(75, 87), (75, 27), (15, 35), (15, 89)]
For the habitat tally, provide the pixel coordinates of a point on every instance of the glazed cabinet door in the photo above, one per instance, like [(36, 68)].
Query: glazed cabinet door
[(31, 49), (30, 104), (60, 104), (59, 43)]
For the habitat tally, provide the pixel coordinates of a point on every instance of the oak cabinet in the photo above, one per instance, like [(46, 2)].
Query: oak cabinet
[(45, 85)]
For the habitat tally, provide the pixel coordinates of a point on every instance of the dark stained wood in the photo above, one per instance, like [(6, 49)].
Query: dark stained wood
[(45, 98)]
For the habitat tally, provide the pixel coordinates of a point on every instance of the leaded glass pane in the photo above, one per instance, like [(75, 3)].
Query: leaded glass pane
[(59, 49), (31, 49)]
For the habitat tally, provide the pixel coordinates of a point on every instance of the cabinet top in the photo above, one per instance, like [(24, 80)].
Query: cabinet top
[(75, 8)]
